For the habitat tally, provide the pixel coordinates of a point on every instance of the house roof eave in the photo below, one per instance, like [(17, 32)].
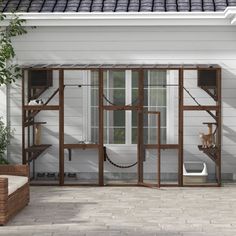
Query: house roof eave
[(228, 17)]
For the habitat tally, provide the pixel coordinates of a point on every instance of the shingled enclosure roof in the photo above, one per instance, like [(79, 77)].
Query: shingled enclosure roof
[(115, 5)]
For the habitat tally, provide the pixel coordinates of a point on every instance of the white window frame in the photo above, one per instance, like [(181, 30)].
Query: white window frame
[(171, 93)]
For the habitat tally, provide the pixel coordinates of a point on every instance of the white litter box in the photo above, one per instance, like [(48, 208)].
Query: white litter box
[(194, 172)]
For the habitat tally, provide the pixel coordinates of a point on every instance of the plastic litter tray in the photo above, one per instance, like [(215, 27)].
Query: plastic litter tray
[(194, 172)]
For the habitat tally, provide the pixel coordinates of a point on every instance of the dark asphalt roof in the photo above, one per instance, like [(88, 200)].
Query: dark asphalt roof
[(114, 5)]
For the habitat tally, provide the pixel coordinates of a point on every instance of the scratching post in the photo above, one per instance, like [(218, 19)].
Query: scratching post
[(209, 128), (38, 134)]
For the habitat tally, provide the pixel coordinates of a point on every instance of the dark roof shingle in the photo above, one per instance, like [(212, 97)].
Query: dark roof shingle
[(114, 5)]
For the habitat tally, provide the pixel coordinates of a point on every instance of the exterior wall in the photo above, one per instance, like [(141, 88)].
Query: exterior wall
[(3, 102), (141, 45)]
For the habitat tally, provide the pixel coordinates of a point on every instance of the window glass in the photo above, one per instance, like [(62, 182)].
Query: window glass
[(121, 88), (114, 87), (94, 113), (155, 94)]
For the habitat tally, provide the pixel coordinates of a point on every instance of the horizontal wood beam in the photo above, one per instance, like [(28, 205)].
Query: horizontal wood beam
[(162, 146), (34, 123), (41, 107), (114, 108), (199, 108), (80, 146)]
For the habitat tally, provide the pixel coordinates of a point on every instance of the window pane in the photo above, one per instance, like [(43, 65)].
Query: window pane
[(155, 97), (94, 116), (150, 135), (157, 77), (134, 127), (114, 118), (119, 96), (94, 134), (114, 79), (94, 78), (94, 97), (114, 135), (119, 118), (118, 78), (135, 100), (135, 79), (94, 107), (114, 87), (134, 119), (114, 97), (151, 120), (114, 127), (134, 135)]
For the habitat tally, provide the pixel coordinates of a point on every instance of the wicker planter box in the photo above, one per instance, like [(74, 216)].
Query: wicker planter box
[(13, 203)]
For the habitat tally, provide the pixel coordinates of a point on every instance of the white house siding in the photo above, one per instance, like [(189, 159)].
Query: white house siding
[(3, 103), (141, 45)]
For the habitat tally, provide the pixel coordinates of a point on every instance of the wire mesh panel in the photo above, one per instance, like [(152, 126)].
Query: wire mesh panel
[(81, 166), (121, 149), (151, 163), (161, 95), (81, 107), (81, 126), (199, 147), (41, 122), (120, 125)]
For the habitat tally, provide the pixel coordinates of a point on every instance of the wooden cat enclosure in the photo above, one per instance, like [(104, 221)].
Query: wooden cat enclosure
[(174, 81)]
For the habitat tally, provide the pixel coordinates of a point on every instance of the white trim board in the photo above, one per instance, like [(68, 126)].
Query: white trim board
[(227, 17)]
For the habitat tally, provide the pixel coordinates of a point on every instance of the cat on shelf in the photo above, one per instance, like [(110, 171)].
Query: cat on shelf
[(207, 140)]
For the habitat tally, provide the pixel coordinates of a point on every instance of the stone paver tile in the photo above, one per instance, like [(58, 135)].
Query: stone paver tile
[(127, 211)]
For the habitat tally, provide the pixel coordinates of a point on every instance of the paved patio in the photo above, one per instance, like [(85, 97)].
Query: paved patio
[(127, 211)]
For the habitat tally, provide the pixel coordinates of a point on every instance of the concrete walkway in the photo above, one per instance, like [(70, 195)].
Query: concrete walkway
[(101, 211)]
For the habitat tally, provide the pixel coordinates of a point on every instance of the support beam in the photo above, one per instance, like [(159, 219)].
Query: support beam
[(219, 127), (23, 118), (101, 130), (159, 150), (181, 126), (61, 127), (140, 126)]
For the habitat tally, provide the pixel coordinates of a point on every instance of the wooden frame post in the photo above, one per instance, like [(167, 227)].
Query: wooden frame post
[(140, 126), (101, 130), (61, 127), (181, 127), (159, 149), (23, 118), (218, 121)]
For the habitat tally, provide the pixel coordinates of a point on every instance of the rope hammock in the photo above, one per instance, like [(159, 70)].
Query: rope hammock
[(120, 166)]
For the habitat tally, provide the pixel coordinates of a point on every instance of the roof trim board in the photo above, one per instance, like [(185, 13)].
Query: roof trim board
[(227, 17)]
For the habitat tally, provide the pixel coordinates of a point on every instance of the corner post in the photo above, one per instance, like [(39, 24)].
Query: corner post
[(61, 127), (140, 126), (101, 136), (181, 126), (218, 137)]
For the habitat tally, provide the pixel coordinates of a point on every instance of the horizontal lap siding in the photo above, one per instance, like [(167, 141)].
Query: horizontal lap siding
[(163, 45)]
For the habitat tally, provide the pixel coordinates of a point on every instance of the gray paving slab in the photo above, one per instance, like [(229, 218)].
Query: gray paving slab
[(117, 211)]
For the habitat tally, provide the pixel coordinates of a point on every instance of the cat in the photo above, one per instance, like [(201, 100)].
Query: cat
[(36, 102), (207, 140)]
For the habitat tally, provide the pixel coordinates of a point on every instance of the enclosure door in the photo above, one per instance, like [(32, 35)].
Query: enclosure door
[(150, 148)]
